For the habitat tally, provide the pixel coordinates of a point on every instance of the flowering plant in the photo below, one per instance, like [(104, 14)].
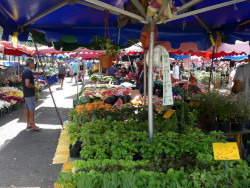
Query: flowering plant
[(13, 81), (9, 98), (11, 91), (95, 106), (4, 104)]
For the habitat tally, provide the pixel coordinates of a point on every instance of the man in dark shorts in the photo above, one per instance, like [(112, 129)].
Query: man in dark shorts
[(62, 73), (29, 91)]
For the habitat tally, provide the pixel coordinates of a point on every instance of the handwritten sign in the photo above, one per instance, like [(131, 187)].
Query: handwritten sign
[(168, 114), (226, 151)]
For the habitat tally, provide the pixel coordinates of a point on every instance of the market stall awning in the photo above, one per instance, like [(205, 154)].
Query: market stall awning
[(75, 22), (17, 50)]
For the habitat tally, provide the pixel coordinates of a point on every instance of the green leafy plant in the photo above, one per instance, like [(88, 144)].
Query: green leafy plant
[(111, 49)]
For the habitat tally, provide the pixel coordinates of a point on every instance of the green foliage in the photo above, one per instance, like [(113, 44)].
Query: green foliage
[(109, 165), (173, 178), (111, 49)]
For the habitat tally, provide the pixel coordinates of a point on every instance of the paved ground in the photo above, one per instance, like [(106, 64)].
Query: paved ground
[(25, 156)]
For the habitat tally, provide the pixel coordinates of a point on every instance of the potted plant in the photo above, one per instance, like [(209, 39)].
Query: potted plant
[(208, 110), (224, 112), (111, 51), (240, 113)]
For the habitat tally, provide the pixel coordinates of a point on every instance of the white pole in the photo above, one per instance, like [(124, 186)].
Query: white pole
[(150, 82), (145, 79), (77, 74), (18, 65), (83, 77), (189, 59), (14, 65)]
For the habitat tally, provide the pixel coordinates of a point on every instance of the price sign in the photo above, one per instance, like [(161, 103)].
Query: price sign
[(226, 151)]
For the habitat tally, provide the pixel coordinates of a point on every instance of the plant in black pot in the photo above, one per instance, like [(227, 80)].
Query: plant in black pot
[(208, 110), (240, 112), (224, 112)]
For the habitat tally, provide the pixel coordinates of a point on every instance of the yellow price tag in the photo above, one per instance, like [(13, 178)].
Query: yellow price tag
[(226, 151), (168, 114)]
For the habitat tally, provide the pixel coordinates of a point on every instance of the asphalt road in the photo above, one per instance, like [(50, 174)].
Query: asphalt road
[(26, 156)]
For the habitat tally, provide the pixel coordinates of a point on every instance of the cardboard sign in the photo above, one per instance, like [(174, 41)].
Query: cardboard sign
[(168, 114), (226, 151)]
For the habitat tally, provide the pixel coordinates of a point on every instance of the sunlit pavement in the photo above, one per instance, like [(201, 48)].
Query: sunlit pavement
[(26, 156)]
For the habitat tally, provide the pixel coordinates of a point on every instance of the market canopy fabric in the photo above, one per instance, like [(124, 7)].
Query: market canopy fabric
[(71, 21), (8, 49)]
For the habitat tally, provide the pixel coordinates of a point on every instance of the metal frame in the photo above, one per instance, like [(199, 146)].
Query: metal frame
[(187, 5), (213, 7), (96, 4)]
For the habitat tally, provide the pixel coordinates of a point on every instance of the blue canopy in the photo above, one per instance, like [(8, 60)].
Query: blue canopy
[(84, 23), (236, 58), (178, 57)]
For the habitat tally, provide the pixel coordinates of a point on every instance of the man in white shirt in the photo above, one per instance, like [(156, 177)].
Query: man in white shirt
[(176, 71), (242, 80)]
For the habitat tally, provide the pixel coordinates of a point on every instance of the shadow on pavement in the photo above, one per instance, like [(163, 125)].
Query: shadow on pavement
[(48, 116), (27, 160)]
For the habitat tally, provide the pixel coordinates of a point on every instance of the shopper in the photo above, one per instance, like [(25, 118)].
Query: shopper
[(111, 71), (131, 67), (71, 73), (176, 71), (139, 70), (75, 70), (62, 73), (242, 80), (29, 91)]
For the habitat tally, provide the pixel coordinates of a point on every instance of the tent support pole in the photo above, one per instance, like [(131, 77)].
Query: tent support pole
[(189, 59), (206, 9), (40, 60), (83, 76), (211, 69), (18, 65), (14, 65), (77, 78), (145, 79), (150, 81), (46, 12)]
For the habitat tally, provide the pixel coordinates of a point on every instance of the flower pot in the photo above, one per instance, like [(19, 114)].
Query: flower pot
[(105, 61), (213, 126), (2, 112), (237, 125), (225, 127), (10, 109), (16, 106), (75, 150)]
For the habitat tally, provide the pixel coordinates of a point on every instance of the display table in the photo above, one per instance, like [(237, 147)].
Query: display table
[(238, 136), (51, 79)]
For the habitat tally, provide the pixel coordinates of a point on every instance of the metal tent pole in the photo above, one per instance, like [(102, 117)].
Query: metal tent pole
[(14, 65), (83, 77), (150, 81), (40, 60), (18, 65), (145, 78), (77, 76), (211, 69), (189, 59)]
